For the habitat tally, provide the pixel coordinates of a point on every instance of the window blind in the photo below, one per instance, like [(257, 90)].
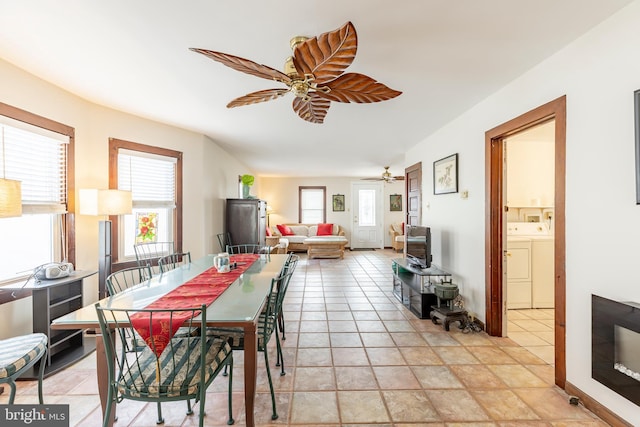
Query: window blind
[(38, 159), (150, 178)]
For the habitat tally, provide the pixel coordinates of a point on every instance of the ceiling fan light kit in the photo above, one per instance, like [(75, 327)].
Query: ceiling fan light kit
[(314, 74)]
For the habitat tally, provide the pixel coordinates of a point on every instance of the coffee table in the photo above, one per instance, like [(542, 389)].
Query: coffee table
[(325, 246)]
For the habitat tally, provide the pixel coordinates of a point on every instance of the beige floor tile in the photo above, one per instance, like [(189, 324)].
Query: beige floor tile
[(385, 356), (316, 378), (455, 355), (491, 355), (456, 405), (362, 407), (314, 339), (504, 405), (395, 378), (355, 378), (436, 377), (371, 326), (342, 326), (314, 408), (377, 339), (516, 376), (408, 339), (410, 406), (477, 377), (420, 356), (314, 357), (349, 356), (345, 339)]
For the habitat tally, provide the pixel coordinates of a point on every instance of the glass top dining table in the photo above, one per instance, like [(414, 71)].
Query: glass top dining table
[(238, 306)]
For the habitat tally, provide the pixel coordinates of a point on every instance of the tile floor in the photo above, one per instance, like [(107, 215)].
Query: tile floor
[(355, 356), (533, 330)]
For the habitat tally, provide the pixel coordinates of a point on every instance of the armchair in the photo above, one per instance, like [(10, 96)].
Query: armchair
[(397, 236)]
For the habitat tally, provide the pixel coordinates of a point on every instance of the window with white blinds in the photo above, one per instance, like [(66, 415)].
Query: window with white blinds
[(37, 158), (152, 180), (312, 205)]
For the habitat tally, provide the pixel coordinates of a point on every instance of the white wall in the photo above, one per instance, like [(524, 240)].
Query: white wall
[(281, 195), (209, 176), (598, 73)]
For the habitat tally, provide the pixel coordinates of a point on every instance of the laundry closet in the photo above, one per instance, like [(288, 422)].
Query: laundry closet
[(529, 218)]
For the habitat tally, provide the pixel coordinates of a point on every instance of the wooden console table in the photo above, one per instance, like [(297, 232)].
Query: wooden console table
[(413, 286), (50, 300)]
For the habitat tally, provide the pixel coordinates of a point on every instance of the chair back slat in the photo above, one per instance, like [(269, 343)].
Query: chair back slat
[(175, 260), (126, 278), (149, 253), (224, 239)]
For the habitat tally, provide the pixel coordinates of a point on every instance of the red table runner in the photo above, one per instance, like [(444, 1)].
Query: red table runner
[(202, 289)]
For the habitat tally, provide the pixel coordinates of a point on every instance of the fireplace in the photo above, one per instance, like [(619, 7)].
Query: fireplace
[(615, 346)]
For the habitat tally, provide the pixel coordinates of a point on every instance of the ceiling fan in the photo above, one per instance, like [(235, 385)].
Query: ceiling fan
[(386, 176), (314, 74)]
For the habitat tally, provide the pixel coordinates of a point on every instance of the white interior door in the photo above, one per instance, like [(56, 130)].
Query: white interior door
[(367, 216)]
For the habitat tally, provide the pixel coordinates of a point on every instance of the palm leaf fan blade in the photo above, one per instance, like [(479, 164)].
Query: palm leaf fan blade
[(313, 109), (256, 97), (328, 55), (355, 87), (244, 65)]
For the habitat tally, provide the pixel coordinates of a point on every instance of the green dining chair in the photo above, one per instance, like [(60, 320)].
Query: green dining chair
[(267, 327), (181, 371)]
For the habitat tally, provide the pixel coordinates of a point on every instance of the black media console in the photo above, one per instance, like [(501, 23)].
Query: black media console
[(414, 286)]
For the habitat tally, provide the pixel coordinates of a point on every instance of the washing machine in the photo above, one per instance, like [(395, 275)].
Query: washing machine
[(530, 265)]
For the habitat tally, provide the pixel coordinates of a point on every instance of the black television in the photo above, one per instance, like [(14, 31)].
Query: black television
[(418, 246)]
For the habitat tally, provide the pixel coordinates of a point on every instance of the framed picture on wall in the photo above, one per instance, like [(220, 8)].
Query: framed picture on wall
[(338, 202), (445, 175), (395, 202)]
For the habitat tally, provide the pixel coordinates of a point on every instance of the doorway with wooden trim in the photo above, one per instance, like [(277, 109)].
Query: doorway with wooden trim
[(494, 227)]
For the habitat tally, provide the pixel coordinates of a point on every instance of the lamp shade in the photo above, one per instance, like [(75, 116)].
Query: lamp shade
[(10, 198), (105, 202)]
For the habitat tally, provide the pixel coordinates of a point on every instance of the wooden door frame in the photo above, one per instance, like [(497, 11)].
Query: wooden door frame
[(494, 182), (417, 168)]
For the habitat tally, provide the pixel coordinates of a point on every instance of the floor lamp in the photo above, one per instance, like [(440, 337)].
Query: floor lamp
[(104, 203)]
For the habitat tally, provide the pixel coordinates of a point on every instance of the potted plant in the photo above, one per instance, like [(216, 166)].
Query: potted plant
[(247, 182)]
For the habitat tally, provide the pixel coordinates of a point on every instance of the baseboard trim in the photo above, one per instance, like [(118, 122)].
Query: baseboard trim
[(596, 407)]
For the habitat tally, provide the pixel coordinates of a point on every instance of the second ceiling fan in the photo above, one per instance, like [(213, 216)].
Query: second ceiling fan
[(386, 176)]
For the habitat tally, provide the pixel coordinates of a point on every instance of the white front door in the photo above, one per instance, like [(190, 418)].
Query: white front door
[(367, 216)]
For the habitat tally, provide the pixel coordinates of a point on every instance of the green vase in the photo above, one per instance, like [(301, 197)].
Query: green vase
[(245, 191)]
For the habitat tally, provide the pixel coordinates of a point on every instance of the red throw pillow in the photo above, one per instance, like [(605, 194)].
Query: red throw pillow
[(284, 230), (325, 229), (403, 228), (269, 233)]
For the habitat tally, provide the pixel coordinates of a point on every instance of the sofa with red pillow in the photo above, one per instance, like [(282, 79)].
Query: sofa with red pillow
[(297, 233)]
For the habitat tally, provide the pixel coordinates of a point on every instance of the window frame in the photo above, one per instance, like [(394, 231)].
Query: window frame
[(324, 200), (115, 145), (68, 219)]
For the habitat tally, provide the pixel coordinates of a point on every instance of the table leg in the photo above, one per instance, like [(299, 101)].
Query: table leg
[(250, 371), (103, 377)]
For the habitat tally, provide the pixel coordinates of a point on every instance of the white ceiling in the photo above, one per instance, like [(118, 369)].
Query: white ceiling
[(445, 56)]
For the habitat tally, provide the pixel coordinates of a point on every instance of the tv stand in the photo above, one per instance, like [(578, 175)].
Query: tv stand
[(413, 286)]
